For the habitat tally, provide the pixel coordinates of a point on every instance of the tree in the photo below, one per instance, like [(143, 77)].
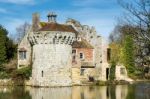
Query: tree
[(123, 47), (21, 31), (7, 47), (128, 54), (138, 15), (3, 39)]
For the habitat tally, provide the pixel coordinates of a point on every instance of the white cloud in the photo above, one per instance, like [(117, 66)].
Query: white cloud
[(18, 1)]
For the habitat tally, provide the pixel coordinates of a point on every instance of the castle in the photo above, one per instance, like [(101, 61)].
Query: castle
[(63, 54)]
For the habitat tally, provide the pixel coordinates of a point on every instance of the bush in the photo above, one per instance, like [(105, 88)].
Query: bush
[(23, 73), (112, 71), (4, 75)]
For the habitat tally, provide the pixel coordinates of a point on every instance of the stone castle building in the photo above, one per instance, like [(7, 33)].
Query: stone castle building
[(63, 54)]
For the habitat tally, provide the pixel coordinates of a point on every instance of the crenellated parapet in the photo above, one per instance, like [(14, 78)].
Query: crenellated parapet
[(52, 37)]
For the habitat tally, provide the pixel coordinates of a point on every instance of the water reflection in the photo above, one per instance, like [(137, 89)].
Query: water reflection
[(50, 93), (121, 91), (139, 91), (79, 92)]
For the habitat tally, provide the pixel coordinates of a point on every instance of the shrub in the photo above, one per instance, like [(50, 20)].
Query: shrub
[(4, 75), (112, 70), (23, 73)]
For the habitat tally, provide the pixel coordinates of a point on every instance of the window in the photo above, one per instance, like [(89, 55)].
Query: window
[(73, 51), (42, 73), (22, 55), (82, 71), (122, 71), (81, 56), (108, 54)]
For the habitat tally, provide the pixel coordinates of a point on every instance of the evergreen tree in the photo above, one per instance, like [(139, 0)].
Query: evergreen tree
[(128, 54), (3, 39)]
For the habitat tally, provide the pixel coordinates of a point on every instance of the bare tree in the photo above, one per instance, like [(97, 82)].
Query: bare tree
[(21, 31), (138, 15)]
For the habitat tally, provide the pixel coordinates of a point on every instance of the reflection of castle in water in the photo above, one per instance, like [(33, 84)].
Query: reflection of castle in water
[(139, 91), (80, 92)]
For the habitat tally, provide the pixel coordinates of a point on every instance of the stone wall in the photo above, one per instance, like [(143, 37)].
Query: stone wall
[(52, 58), (120, 73), (24, 44), (55, 63), (76, 76)]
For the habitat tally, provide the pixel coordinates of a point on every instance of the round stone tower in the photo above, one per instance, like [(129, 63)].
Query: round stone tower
[(52, 53)]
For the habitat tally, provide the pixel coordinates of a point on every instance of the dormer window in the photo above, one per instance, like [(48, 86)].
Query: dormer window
[(22, 55)]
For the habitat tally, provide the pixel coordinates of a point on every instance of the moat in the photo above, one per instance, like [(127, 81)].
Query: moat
[(134, 91)]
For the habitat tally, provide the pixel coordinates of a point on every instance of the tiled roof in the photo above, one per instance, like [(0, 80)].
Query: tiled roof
[(82, 44), (56, 27)]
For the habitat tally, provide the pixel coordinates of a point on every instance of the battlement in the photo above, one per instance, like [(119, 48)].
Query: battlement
[(52, 37)]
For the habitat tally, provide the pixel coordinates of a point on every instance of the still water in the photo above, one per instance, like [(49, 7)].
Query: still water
[(135, 91)]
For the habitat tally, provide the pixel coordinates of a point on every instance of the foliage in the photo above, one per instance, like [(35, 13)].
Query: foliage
[(128, 54), (115, 52), (138, 16), (11, 49), (4, 75), (112, 70), (23, 73), (8, 50), (3, 38)]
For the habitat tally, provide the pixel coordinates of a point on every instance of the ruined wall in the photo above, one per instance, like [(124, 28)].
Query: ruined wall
[(120, 73), (52, 59), (100, 47)]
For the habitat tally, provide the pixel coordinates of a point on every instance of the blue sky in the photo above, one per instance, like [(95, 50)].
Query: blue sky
[(99, 13)]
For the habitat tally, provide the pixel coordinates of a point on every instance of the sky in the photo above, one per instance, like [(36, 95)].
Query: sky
[(102, 14)]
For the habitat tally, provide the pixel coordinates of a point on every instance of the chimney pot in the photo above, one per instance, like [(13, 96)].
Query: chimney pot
[(51, 17)]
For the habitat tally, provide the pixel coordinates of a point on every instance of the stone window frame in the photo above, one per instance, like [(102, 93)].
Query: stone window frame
[(22, 55)]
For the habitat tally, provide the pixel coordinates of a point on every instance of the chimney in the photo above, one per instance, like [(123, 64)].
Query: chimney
[(51, 17), (35, 22)]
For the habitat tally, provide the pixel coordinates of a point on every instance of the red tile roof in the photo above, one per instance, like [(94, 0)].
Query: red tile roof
[(56, 27)]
